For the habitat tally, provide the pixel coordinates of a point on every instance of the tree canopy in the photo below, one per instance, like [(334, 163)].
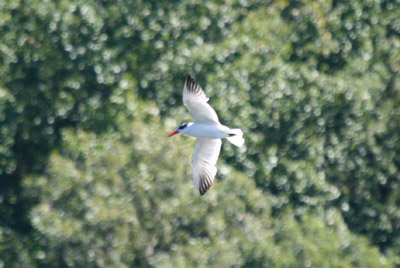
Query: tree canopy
[(90, 89)]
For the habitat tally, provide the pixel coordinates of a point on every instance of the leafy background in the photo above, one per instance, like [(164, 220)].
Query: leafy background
[(90, 89)]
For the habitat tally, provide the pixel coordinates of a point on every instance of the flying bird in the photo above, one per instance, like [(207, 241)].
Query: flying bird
[(208, 132)]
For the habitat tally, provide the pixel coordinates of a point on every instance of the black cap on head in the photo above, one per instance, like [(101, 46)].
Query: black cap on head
[(182, 126)]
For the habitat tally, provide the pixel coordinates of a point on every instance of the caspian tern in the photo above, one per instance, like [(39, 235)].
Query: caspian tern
[(208, 132)]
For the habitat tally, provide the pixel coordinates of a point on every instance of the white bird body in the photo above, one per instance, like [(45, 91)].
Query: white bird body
[(208, 131), (211, 131)]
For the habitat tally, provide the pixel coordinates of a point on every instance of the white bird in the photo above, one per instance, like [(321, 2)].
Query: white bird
[(208, 132)]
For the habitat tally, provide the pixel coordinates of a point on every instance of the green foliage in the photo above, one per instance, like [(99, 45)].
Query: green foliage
[(88, 88), (116, 208), (57, 70)]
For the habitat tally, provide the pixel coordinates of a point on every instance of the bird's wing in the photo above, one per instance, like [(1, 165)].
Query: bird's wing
[(196, 101), (204, 159)]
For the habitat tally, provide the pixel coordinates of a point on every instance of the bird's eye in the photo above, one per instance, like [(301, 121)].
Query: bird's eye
[(182, 126)]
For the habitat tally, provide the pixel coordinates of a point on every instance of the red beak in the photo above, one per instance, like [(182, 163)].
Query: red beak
[(173, 133)]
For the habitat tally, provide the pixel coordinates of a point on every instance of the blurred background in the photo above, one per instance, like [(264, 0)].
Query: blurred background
[(90, 89)]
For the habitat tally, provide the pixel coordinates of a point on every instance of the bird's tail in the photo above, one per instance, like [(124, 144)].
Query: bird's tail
[(235, 136)]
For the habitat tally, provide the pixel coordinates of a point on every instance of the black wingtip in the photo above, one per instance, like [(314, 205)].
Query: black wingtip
[(188, 80), (203, 189), (192, 85), (206, 183)]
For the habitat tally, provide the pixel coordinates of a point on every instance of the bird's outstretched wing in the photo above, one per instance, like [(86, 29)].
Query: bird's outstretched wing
[(204, 162), (196, 101)]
